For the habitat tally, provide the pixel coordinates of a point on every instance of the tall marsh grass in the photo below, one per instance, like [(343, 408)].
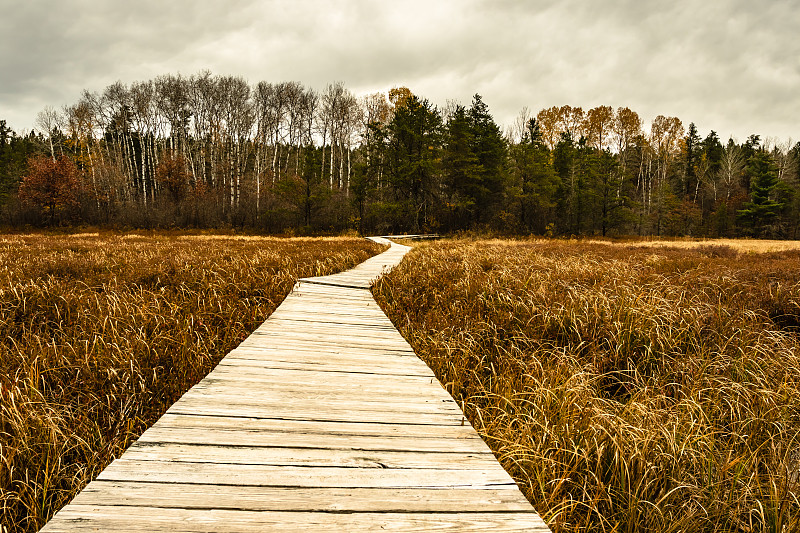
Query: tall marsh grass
[(100, 335), (625, 388)]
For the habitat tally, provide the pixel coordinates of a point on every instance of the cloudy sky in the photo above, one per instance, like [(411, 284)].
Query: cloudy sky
[(728, 65)]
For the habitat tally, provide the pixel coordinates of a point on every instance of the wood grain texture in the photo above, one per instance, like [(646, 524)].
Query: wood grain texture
[(323, 419), (94, 518), (316, 499)]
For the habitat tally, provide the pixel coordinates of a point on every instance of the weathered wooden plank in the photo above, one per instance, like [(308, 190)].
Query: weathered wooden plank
[(243, 438), (299, 339), (335, 336), (298, 406), (157, 519), (310, 377), (326, 451), (312, 499), (331, 365), (324, 358), (322, 330), (315, 377), (285, 346), (339, 296), (278, 345), (310, 325), (332, 332), (492, 475), (334, 316), (360, 307), (256, 391), (310, 296), (311, 428), (296, 309), (419, 431), (379, 354), (325, 411), (287, 404), (314, 330), (378, 330), (337, 383), (344, 385)]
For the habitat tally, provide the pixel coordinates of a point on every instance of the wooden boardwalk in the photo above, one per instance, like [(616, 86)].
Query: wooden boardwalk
[(322, 420)]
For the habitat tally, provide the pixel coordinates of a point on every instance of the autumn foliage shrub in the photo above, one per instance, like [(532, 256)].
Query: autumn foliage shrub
[(626, 388), (100, 335), (172, 174), (50, 188)]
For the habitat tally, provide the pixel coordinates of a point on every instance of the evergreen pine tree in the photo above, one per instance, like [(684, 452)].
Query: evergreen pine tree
[(414, 141), (462, 170), (489, 148), (761, 212), (535, 178), (692, 155)]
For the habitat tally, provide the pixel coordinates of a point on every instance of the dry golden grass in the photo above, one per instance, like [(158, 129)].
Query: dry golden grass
[(625, 388), (99, 335), (739, 245)]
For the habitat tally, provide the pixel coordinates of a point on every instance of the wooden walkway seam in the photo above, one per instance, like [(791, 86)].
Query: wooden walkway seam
[(323, 419)]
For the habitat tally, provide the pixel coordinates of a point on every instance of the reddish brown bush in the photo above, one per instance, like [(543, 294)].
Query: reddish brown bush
[(51, 187)]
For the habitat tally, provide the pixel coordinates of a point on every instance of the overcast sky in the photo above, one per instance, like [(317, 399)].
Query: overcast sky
[(728, 65)]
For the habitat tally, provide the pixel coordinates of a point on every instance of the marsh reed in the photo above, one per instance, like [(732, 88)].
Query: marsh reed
[(625, 388), (99, 335)]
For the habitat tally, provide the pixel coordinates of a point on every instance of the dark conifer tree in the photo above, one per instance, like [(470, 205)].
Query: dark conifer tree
[(489, 148), (535, 180), (692, 156), (15, 151), (761, 212), (712, 150), (462, 171), (414, 141)]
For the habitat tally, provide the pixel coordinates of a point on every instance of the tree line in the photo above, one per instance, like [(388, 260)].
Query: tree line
[(213, 151)]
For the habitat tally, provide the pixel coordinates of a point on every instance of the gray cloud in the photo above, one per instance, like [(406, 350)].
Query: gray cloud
[(728, 65)]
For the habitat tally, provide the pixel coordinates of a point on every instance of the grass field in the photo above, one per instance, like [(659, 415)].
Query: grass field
[(627, 387), (100, 334)]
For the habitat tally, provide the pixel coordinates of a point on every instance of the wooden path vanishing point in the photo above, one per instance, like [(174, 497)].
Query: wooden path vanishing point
[(324, 420)]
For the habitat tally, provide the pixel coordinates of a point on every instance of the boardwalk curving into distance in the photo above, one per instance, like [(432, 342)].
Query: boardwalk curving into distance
[(323, 419)]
